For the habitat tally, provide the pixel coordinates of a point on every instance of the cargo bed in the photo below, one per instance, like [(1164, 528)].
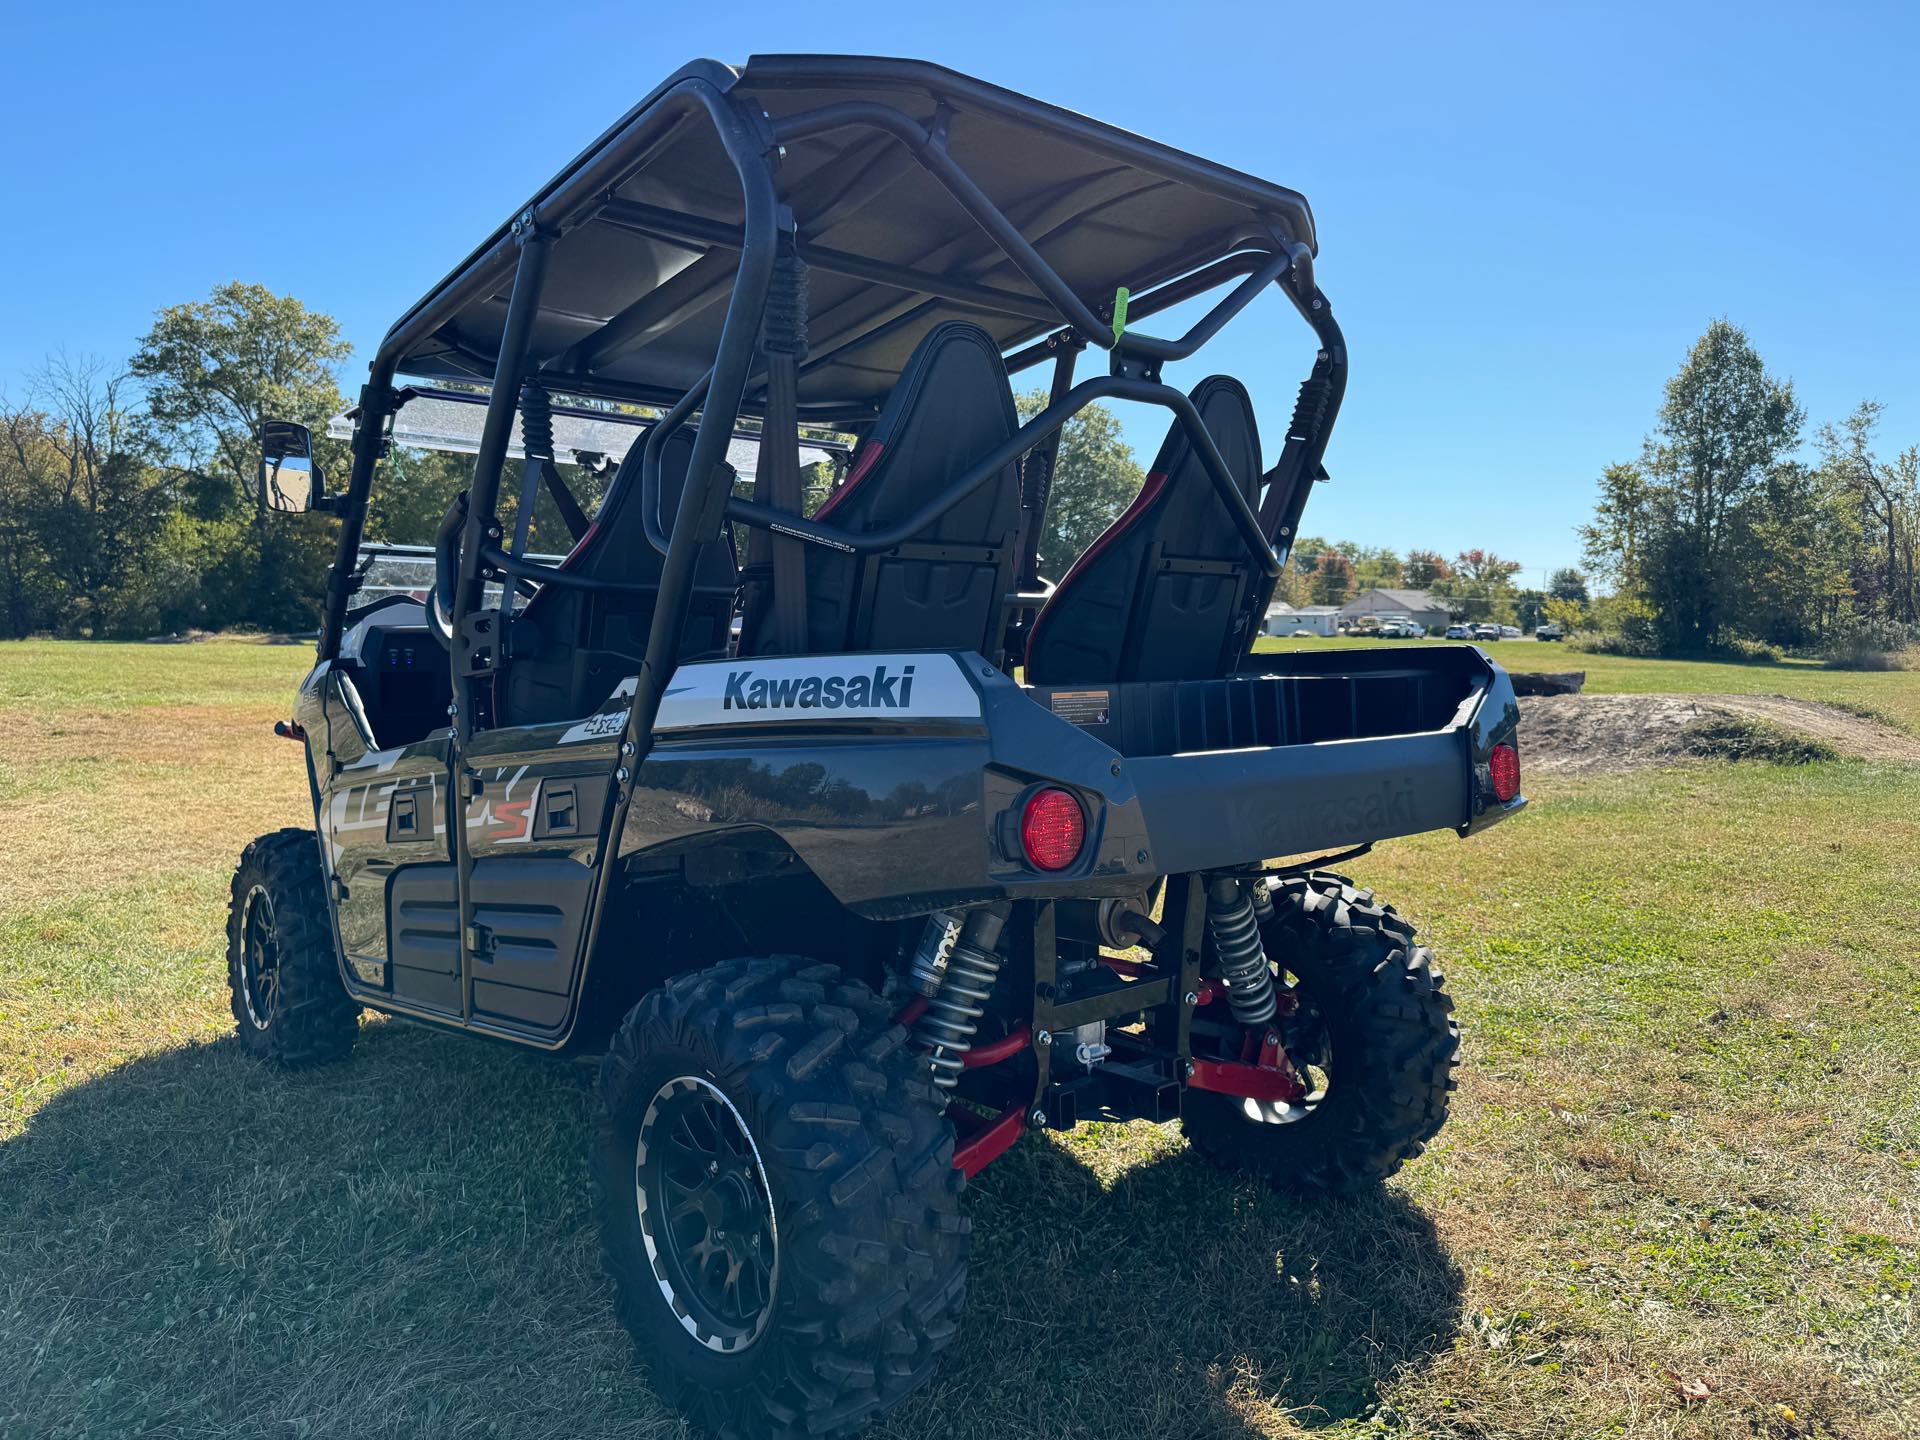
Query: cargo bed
[(1319, 751)]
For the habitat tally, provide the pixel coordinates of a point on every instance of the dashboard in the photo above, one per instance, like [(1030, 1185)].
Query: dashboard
[(400, 670)]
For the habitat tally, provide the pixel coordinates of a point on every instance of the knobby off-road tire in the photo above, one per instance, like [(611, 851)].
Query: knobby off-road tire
[(1391, 1043), (282, 977), (845, 1137)]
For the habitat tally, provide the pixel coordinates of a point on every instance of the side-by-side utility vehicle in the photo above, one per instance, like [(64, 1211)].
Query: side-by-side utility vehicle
[(864, 849)]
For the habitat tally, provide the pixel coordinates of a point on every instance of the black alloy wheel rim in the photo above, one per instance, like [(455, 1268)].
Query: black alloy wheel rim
[(1305, 1036), (259, 959), (706, 1214)]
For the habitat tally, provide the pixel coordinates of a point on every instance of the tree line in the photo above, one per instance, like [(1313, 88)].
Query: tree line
[(129, 495), (1726, 534), (130, 504), (1475, 585)]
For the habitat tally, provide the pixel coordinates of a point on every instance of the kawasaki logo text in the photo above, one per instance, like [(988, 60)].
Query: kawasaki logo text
[(882, 690)]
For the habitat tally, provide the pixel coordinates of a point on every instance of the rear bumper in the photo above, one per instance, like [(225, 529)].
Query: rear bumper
[(899, 816), (1203, 812), (1207, 809)]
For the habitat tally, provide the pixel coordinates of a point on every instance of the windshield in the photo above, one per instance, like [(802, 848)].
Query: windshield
[(449, 422), (429, 460), (386, 570)]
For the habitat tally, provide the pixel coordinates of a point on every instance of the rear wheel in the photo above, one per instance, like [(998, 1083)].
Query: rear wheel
[(287, 997), (777, 1202), (1372, 1035)]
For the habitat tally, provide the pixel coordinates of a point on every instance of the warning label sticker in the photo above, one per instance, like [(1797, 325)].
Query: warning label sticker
[(1082, 707)]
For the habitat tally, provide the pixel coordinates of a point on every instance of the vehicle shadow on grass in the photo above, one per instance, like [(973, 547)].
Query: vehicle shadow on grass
[(1171, 1300), (195, 1244)]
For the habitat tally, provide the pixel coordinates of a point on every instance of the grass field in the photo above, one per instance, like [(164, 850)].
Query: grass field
[(1680, 1195)]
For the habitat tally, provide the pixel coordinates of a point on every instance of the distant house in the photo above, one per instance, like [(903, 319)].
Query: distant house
[(1284, 619), (1416, 605)]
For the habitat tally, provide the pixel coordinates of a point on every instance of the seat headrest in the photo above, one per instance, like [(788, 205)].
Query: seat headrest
[(951, 406), (1193, 513)]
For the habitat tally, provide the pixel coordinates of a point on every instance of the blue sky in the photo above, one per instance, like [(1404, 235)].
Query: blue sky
[(1527, 213)]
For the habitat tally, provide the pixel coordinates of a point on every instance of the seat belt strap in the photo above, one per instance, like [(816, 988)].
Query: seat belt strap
[(778, 475), (571, 514)]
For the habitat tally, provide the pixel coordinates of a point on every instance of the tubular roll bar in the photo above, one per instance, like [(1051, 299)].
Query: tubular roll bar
[(587, 194), (1029, 435), (1118, 387), (1260, 268), (691, 229), (927, 144)]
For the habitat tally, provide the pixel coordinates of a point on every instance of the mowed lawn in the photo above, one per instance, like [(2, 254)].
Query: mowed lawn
[(1680, 1194)]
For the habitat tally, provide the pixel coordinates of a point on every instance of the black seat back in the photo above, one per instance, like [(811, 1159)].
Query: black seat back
[(571, 647), (945, 588), (1167, 591)]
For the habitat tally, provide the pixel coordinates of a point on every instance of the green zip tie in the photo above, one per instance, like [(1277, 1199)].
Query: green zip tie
[(1120, 313)]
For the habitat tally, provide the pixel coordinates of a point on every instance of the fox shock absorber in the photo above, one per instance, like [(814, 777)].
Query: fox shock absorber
[(1243, 960), (966, 983)]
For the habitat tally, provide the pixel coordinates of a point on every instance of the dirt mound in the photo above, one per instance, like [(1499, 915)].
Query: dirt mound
[(1597, 734)]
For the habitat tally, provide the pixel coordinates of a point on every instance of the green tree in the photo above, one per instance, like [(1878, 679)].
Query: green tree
[(1570, 615), (1672, 528), (84, 506), (1881, 498), (1480, 588), (1484, 568), (410, 493), (1294, 586), (1332, 580), (213, 370), (1094, 478), (1307, 552), (1568, 584), (1375, 567), (1426, 567), (1794, 551)]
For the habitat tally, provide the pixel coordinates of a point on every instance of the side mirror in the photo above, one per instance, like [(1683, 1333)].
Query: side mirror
[(288, 476)]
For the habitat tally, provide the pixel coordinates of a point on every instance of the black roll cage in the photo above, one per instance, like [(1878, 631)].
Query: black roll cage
[(1278, 252), (750, 141)]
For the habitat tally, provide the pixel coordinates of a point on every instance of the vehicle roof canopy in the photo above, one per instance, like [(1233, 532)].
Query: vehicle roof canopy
[(649, 219)]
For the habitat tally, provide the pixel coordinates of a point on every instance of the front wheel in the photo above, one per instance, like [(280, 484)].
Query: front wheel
[(1372, 1034), (776, 1197), (287, 997)]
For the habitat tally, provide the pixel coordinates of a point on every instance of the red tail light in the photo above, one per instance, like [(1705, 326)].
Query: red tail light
[(1052, 829), (1504, 765)]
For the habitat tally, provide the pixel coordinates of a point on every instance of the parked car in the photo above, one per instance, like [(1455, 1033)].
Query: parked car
[(1509, 632), (1459, 632), (1486, 632), (1550, 632)]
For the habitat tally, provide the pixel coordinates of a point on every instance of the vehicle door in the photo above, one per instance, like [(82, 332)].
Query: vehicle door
[(534, 806), (384, 823)]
